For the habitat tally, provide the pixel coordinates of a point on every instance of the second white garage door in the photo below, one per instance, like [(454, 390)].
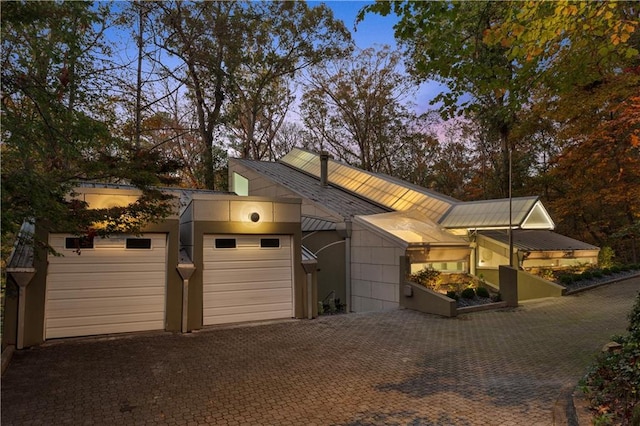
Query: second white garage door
[(247, 278)]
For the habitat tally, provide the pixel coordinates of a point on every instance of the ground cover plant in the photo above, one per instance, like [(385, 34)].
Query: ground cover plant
[(613, 382)]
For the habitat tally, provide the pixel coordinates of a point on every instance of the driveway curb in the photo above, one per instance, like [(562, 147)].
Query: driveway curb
[(7, 353)]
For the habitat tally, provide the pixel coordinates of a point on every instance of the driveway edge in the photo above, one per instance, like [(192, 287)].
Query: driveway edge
[(7, 353)]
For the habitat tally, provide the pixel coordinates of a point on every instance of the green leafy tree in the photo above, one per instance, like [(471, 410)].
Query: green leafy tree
[(572, 43), (56, 124), (443, 41)]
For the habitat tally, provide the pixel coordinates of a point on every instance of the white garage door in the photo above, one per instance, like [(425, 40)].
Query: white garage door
[(247, 278), (109, 285)]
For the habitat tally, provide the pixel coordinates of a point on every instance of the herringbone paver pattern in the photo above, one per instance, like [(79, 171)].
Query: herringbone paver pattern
[(505, 367)]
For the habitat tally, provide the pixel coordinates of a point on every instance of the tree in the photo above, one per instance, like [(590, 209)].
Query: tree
[(572, 43), (357, 107), (286, 38), (56, 124), (235, 59), (594, 181), (443, 41)]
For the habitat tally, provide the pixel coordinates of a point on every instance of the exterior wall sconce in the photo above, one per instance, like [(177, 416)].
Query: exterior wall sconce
[(254, 217)]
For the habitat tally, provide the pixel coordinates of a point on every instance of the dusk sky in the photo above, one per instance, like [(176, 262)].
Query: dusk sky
[(376, 30)]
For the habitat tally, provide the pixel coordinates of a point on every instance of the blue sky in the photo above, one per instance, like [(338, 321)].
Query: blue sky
[(377, 30)]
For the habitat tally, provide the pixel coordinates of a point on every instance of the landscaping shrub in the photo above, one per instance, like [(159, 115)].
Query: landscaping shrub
[(566, 279), (427, 277), (605, 257), (482, 292), (586, 275), (452, 295), (606, 271), (468, 293), (597, 273), (615, 269), (612, 384)]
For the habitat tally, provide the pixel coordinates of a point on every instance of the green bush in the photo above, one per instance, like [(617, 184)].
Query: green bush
[(612, 384), (427, 277), (452, 295), (606, 271), (468, 293), (615, 269), (605, 257), (586, 275), (597, 273), (482, 292), (566, 279)]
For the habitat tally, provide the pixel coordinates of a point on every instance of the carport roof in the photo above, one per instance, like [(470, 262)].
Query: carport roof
[(538, 240), (413, 228), (335, 199)]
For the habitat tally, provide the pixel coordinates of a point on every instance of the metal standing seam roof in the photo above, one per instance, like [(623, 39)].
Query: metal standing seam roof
[(538, 240), (335, 199), (22, 255), (307, 255), (495, 214), (392, 193), (310, 224)]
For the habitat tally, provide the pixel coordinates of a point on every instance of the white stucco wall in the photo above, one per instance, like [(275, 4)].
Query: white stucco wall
[(375, 270)]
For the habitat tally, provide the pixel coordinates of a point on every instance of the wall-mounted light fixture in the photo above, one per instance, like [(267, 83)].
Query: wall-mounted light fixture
[(254, 217)]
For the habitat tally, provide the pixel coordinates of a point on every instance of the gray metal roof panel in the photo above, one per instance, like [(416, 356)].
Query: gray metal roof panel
[(22, 255), (341, 202), (310, 224), (538, 240), (488, 213), (307, 255)]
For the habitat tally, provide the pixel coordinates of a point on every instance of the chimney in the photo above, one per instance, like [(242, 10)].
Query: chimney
[(324, 168)]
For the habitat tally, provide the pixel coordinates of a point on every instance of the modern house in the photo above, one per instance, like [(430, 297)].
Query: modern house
[(360, 224), (295, 233)]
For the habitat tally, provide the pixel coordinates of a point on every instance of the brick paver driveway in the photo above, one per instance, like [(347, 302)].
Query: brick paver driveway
[(393, 368)]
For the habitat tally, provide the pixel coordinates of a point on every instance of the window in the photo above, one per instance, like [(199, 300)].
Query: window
[(269, 242), (76, 243), (225, 243), (138, 243), (240, 184)]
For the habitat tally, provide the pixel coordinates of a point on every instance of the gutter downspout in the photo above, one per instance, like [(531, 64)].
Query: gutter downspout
[(346, 234), (22, 277), (310, 266), (186, 269)]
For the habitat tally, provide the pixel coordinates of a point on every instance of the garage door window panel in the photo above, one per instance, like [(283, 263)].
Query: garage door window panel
[(270, 242), (225, 243), (76, 243), (138, 243)]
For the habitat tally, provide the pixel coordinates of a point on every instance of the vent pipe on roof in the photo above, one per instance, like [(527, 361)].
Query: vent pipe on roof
[(324, 168)]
